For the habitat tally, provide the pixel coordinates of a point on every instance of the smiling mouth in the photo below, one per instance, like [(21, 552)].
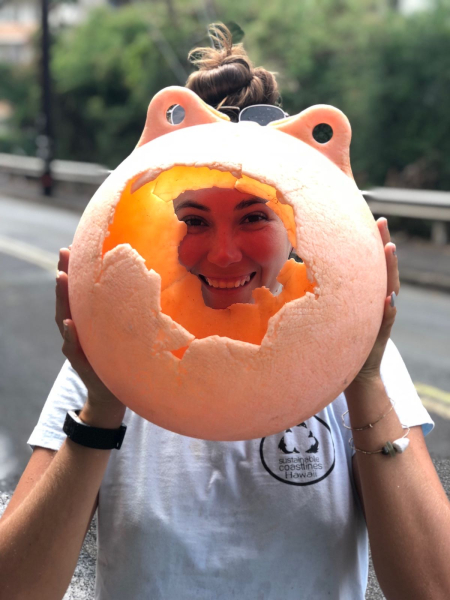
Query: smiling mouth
[(227, 284)]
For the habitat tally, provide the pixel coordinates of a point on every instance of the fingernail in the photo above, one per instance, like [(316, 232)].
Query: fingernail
[(66, 331), (394, 251), (393, 297)]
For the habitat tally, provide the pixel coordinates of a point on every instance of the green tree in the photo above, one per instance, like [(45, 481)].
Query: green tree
[(408, 140), (18, 88), (389, 73), (105, 73)]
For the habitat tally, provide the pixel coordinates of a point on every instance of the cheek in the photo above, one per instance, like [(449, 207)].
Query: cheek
[(191, 250), (269, 247)]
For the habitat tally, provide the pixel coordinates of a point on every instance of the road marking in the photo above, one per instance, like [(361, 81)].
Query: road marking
[(434, 399), (432, 392), (32, 254)]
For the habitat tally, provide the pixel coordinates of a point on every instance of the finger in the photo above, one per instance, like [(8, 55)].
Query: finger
[(390, 312), (72, 350), (384, 230), (62, 309), (393, 277), (373, 362), (63, 263)]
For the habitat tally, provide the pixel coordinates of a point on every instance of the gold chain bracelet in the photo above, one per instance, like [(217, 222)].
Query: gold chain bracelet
[(392, 448), (369, 426)]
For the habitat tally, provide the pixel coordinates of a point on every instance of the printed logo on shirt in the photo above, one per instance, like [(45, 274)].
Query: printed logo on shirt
[(302, 455)]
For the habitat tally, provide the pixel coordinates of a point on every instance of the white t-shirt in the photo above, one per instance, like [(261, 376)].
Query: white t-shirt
[(187, 519)]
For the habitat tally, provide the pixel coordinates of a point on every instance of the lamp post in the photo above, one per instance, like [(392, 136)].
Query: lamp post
[(44, 139)]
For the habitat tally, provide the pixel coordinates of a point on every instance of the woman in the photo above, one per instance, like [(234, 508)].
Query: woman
[(283, 517), (234, 244)]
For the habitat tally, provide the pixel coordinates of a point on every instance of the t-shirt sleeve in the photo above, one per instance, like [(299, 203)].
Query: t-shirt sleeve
[(400, 389), (68, 393)]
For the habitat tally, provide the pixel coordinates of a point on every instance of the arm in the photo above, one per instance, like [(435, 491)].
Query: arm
[(43, 528), (406, 508)]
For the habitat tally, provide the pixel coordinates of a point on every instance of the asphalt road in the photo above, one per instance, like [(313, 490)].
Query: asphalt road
[(30, 357), (30, 237)]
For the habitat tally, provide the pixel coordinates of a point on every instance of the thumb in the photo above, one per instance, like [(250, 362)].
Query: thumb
[(72, 349), (390, 312)]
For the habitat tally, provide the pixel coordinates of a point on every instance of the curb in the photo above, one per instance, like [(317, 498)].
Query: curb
[(436, 281)]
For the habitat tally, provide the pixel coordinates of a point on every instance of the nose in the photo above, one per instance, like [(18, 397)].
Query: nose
[(224, 249)]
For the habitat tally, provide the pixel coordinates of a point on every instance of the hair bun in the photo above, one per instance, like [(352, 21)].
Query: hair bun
[(226, 76)]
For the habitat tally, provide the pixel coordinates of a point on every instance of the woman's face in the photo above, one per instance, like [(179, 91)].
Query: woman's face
[(234, 244)]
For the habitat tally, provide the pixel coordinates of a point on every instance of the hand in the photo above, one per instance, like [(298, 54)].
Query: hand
[(100, 399), (371, 368)]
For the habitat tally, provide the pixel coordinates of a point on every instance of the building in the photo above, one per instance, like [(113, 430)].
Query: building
[(20, 20)]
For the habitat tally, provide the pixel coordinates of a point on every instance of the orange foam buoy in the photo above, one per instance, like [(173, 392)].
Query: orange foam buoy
[(249, 370)]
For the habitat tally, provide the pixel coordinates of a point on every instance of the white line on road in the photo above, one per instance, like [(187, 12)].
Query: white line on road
[(32, 254)]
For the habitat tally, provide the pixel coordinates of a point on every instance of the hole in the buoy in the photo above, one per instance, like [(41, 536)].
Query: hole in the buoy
[(145, 219), (175, 114), (295, 256), (322, 133)]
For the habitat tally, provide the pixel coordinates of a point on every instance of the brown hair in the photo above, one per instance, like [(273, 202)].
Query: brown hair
[(226, 77)]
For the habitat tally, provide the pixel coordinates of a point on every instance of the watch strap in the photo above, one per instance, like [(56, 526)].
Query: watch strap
[(92, 437)]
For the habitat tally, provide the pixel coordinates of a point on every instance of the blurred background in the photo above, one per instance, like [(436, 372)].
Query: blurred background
[(385, 63), (75, 81)]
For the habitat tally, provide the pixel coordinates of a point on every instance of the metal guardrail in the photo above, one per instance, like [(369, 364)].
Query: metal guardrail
[(62, 170), (413, 204)]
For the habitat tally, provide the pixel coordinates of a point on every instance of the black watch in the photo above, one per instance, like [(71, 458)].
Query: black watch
[(92, 437)]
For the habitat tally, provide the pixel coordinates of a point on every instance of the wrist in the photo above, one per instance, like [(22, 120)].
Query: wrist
[(365, 385), (91, 436), (368, 403), (106, 416), (366, 400)]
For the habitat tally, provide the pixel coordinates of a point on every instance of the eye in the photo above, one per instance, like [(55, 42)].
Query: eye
[(193, 221), (255, 218)]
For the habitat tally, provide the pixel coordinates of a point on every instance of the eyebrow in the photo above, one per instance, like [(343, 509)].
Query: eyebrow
[(240, 206), (249, 202)]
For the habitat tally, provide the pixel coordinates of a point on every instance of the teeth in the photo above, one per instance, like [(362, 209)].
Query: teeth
[(220, 283)]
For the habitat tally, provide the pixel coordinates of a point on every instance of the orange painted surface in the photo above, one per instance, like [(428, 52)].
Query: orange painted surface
[(149, 224), (250, 370)]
